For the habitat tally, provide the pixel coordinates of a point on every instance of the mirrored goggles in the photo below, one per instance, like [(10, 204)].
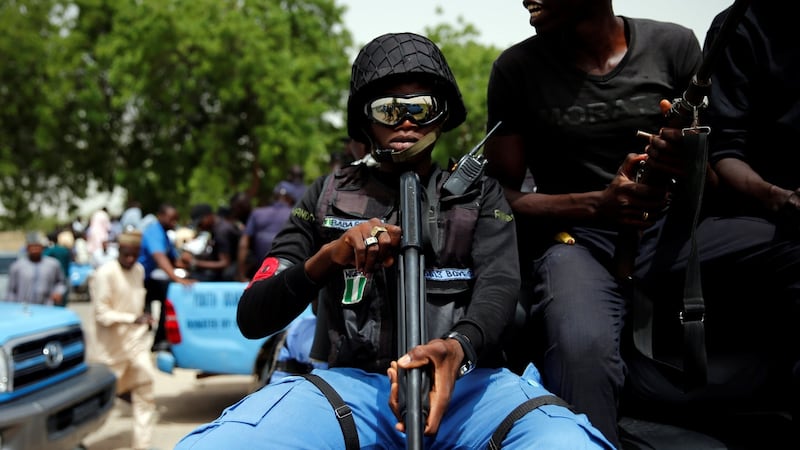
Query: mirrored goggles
[(392, 111)]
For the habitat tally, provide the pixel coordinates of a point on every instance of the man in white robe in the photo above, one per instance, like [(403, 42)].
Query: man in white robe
[(122, 333)]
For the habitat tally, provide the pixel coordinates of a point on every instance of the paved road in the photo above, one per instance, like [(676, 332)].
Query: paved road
[(184, 402)]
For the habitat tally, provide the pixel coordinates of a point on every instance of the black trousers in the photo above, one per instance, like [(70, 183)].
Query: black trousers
[(156, 291)]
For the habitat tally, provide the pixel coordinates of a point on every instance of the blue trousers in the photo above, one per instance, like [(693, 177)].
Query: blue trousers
[(293, 414)]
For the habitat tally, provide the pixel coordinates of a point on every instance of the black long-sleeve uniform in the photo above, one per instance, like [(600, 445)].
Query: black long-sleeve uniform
[(472, 269)]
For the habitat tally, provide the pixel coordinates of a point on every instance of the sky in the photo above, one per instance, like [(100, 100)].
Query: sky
[(504, 22)]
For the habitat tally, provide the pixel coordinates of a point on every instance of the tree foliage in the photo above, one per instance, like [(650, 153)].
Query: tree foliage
[(26, 116), (184, 101), (174, 100), (471, 63)]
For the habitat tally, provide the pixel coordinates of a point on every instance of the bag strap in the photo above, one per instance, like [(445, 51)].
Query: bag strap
[(343, 412), (692, 315), (524, 408)]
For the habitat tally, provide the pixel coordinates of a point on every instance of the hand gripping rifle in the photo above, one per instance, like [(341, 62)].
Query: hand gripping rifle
[(684, 111), (414, 383)]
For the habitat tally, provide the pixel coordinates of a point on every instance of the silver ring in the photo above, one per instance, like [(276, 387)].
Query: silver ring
[(372, 240), (645, 216)]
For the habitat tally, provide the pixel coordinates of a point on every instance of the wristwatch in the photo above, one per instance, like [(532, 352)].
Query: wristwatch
[(470, 357)]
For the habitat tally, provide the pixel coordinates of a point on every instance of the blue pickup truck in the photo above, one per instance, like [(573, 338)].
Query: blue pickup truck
[(50, 398), (201, 328)]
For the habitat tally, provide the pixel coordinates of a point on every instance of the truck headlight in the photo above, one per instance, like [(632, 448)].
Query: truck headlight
[(4, 381)]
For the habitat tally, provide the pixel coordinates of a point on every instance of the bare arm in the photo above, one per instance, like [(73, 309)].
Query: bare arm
[(623, 201), (165, 264), (241, 263), (59, 288), (739, 176), (222, 262)]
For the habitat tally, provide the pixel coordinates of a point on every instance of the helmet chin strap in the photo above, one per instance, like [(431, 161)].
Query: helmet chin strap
[(389, 155)]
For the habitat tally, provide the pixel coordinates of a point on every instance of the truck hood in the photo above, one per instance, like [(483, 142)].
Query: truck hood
[(18, 319)]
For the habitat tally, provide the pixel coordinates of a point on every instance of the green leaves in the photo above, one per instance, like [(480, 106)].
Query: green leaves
[(471, 63), (183, 101)]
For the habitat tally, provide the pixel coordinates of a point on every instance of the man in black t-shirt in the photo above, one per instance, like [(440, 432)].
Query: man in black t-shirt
[(210, 253), (571, 99)]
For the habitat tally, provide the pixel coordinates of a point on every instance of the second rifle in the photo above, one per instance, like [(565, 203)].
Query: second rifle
[(684, 112)]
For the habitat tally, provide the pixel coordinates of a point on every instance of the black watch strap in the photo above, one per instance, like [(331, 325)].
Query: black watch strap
[(470, 356)]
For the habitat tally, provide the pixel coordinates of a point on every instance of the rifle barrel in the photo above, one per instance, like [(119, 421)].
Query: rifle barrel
[(702, 81), (411, 308), (682, 112), (728, 27)]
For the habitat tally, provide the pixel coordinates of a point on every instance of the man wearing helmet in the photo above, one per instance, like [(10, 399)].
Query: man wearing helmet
[(341, 244)]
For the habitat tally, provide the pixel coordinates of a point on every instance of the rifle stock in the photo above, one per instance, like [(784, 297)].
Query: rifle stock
[(414, 383)]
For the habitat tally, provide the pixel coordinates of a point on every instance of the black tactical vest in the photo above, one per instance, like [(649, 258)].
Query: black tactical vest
[(364, 334)]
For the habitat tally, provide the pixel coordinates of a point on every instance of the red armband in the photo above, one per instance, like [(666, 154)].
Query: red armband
[(267, 270)]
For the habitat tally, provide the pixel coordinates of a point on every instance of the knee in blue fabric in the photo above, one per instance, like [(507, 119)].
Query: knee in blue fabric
[(554, 427), (531, 374), (566, 429), (287, 406), (254, 407)]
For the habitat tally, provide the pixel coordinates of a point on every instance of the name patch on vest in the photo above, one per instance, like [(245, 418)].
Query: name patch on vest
[(448, 274), (340, 223)]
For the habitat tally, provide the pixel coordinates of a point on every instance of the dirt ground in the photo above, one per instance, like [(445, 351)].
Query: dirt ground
[(11, 241)]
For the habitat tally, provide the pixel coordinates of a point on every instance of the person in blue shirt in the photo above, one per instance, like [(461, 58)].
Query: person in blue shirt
[(159, 257)]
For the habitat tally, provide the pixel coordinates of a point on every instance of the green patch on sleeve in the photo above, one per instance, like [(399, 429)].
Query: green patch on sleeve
[(505, 217), (302, 214)]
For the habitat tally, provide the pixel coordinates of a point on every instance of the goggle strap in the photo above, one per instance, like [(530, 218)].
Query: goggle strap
[(418, 147)]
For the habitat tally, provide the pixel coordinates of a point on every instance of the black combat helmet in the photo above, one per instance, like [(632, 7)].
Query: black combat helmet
[(397, 57)]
